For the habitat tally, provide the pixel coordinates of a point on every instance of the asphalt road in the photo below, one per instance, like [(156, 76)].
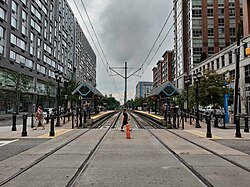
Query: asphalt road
[(18, 146)]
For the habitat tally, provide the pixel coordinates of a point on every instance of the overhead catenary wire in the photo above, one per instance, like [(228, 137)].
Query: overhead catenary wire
[(106, 68), (158, 36), (143, 69)]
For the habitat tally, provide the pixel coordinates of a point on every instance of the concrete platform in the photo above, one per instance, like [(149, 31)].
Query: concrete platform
[(139, 161)]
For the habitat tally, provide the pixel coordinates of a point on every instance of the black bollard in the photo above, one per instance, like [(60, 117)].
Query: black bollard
[(208, 120), (182, 120), (32, 120), (76, 117), (174, 121), (80, 125), (64, 116), (14, 121), (68, 115), (24, 132), (190, 119), (178, 121), (169, 118), (237, 120), (85, 117), (52, 126), (246, 129), (216, 121), (47, 117), (72, 120)]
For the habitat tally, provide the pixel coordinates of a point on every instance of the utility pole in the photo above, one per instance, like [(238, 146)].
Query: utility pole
[(237, 76), (125, 78)]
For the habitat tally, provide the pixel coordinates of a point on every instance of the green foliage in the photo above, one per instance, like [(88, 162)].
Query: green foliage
[(50, 87), (111, 103), (15, 84), (212, 88), (67, 90)]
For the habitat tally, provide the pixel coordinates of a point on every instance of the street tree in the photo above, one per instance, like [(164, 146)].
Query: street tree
[(212, 88), (50, 87), (17, 84)]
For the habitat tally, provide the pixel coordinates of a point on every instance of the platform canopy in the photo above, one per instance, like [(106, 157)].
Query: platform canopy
[(167, 89), (87, 90)]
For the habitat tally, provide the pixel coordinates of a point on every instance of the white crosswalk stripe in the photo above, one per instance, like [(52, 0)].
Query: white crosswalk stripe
[(5, 142)]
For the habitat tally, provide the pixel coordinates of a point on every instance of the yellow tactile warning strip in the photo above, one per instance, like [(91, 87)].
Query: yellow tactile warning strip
[(99, 115), (57, 133), (149, 114), (202, 134)]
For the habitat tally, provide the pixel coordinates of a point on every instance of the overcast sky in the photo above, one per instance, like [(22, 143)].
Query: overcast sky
[(126, 30)]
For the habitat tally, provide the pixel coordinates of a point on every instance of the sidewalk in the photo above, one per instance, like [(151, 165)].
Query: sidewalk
[(217, 133), (7, 133)]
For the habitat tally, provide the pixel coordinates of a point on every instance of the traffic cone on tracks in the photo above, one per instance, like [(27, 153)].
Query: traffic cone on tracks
[(128, 131)]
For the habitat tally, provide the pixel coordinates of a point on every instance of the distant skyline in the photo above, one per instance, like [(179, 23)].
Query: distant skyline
[(126, 31)]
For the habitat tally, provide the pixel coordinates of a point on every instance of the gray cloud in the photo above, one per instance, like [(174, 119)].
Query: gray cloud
[(127, 30)]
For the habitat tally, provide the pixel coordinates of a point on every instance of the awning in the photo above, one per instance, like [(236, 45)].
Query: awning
[(167, 89), (87, 90)]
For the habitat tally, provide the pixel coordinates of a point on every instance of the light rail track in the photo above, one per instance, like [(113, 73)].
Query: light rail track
[(188, 166), (110, 120)]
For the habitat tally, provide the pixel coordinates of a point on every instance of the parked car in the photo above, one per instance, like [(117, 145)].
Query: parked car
[(214, 110), (45, 110)]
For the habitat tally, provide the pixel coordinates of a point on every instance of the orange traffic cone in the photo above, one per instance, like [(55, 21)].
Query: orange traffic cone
[(127, 131)]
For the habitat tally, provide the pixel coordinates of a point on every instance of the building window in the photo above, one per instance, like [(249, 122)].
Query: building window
[(220, 11), (232, 74), (2, 32), (197, 32), (2, 14), (14, 7), (12, 55), (221, 21), (210, 12), (245, 46), (222, 61), (13, 39), (1, 49), (196, 13), (247, 71), (210, 32), (230, 57), (232, 31), (24, 2), (210, 50), (13, 22)]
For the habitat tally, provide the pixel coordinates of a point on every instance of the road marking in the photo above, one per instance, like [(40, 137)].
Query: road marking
[(57, 133), (5, 142), (202, 134)]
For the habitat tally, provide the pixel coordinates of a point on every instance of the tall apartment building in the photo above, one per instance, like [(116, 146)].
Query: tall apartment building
[(168, 68), (85, 58), (143, 89), (164, 69), (157, 74), (39, 37), (202, 26)]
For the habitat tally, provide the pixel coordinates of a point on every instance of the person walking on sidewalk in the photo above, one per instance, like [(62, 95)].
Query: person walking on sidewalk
[(39, 118), (125, 119)]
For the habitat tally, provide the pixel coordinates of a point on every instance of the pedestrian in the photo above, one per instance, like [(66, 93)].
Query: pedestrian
[(125, 119), (39, 118)]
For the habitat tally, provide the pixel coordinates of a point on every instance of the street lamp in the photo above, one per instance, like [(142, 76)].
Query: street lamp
[(188, 82), (58, 77), (197, 78)]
